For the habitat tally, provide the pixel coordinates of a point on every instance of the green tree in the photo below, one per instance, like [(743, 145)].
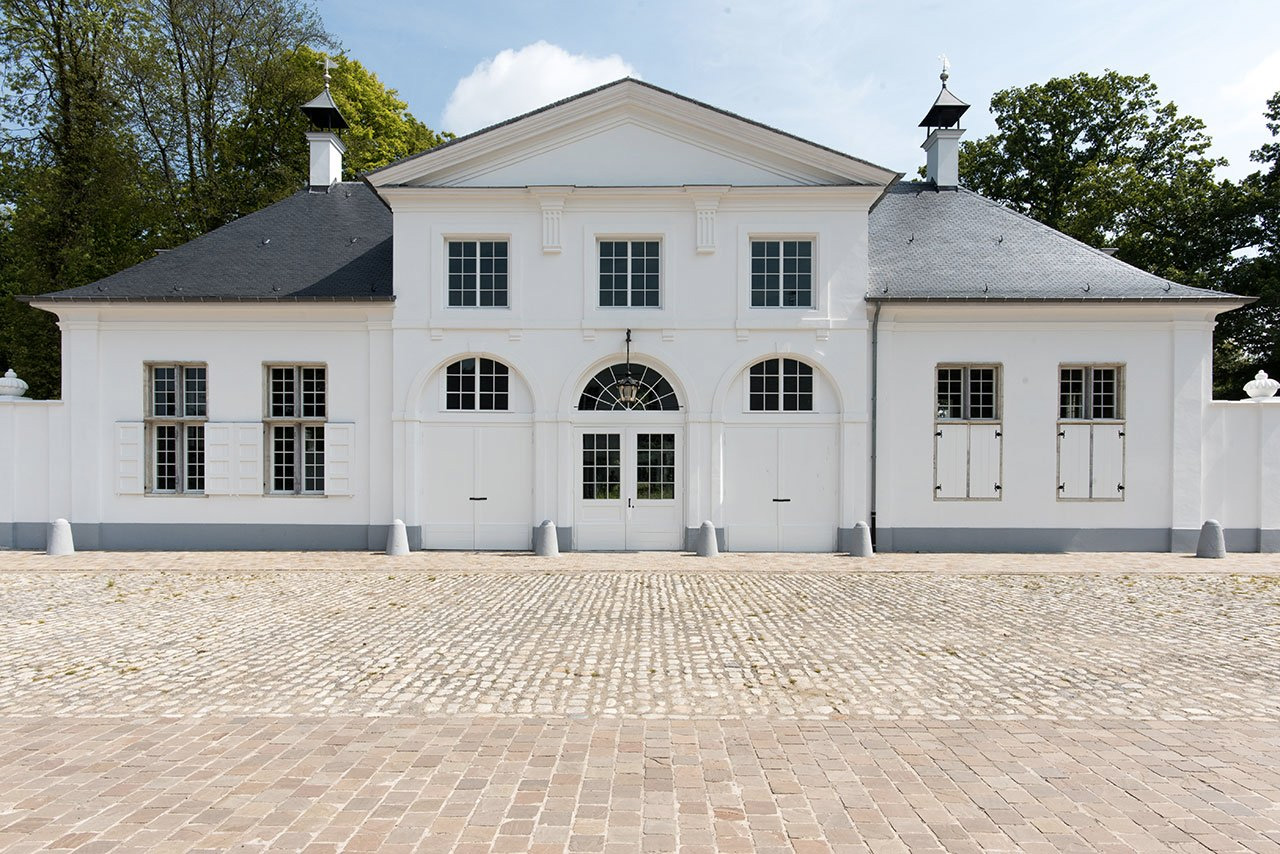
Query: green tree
[(1253, 333), (74, 202)]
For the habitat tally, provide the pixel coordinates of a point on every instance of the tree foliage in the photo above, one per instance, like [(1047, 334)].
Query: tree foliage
[(1253, 332), (135, 125), (1104, 160)]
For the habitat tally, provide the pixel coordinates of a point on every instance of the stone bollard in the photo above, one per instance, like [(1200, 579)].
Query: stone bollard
[(706, 545), (545, 541), (397, 539), (1212, 543), (861, 545), (60, 541)]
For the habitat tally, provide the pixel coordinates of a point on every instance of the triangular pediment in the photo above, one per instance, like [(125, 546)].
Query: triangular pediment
[(629, 134)]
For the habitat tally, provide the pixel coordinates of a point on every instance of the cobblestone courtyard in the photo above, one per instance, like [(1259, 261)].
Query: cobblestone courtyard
[(175, 702)]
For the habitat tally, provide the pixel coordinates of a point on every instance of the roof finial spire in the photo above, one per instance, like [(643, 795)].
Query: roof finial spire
[(946, 69), (328, 64)]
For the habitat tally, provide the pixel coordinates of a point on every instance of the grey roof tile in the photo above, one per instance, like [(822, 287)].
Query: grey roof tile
[(321, 246), (953, 244)]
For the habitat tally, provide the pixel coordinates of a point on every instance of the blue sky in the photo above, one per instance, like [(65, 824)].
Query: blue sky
[(857, 76)]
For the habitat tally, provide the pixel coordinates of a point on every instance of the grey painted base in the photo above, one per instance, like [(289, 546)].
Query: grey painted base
[(122, 536), (691, 539), (118, 536), (1065, 540)]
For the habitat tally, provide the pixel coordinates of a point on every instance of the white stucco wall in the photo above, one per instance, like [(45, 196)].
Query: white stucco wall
[(107, 347), (1165, 354), (705, 334)]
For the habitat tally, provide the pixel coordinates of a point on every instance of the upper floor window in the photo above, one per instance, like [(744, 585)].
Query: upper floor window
[(782, 273), (1090, 393), (477, 384), (968, 393), (784, 385), (478, 273), (629, 273), (176, 412), (296, 414)]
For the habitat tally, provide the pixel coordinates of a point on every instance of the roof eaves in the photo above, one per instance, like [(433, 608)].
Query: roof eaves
[(1231, 299), (34, 299)]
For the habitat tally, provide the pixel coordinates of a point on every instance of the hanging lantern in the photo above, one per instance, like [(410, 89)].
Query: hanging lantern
[(628, 389)]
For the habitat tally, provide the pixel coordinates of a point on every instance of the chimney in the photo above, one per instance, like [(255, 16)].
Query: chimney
[(942, 145), (326, 159), (326, 148)]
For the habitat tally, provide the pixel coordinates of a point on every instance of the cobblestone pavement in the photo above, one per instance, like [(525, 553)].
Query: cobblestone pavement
[(639, 703)]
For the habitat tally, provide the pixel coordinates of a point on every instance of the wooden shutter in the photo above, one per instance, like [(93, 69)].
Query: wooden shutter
[(1073, 460), (217, 459), (246, 452), (951, 460), (1108, 461), (986, 441), (339, 441), (131, 457)]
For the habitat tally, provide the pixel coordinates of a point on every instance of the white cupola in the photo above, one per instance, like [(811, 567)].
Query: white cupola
[(942, 145), (326, 148)]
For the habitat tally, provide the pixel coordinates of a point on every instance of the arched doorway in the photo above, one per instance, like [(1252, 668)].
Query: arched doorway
[(629, 462)]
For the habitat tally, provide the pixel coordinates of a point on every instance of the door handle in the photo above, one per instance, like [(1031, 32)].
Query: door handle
[(629, 504), (782, 501), (480, 498)]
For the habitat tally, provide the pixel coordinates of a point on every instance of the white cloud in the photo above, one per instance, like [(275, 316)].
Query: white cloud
[(517, 81)]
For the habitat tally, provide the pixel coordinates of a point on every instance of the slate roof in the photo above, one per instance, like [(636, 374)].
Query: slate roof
[(954, 245), (312, 246)]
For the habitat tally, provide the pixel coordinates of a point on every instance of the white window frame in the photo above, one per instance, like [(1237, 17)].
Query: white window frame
[(780, 394), (1093, 423), (475, 392), (183, 423), (631, 240), (781, 239), (970, 424), (476, 239), (304, 428)]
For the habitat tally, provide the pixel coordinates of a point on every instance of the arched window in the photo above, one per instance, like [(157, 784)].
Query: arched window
[(475, 384), (654, 392), (781, 385)]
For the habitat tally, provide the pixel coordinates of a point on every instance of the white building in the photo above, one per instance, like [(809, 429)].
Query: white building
[(812, 342)]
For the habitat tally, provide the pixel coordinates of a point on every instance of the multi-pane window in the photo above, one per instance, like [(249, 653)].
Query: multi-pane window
[(601, 466), (296, 412), (1089, 393), (629, 273), (782, 273), (477, 384), (655, 466), (784, 385), (176, 411), (478, 273), (968, 393)]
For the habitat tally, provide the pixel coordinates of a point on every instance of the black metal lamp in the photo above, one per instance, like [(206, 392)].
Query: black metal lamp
[(627, 388)]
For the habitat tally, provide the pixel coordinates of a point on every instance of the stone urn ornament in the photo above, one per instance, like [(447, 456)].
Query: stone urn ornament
[(11, 388), (1261, 386)]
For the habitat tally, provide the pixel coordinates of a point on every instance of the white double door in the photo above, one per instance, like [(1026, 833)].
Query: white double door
[(780, 488), (478, 488), (628, 489)]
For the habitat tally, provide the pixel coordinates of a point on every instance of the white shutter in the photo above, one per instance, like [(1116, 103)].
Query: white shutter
[(217, 459), (246, 454), (339, 441), (985, 444), (950, 460), (1108, 461), (1073, 461), (131, 457)]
